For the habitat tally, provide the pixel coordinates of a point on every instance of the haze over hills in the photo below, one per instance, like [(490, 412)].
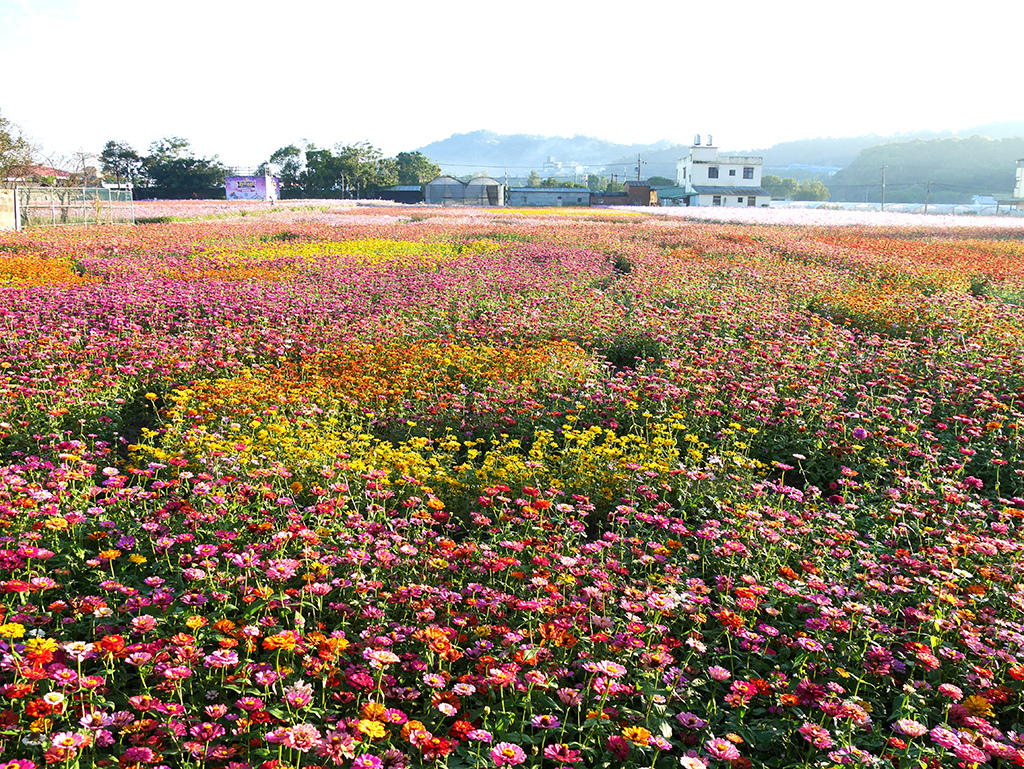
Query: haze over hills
[(521, 153), (493, 153)]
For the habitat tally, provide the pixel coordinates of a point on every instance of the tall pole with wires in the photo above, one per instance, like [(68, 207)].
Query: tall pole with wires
[(883, 188)]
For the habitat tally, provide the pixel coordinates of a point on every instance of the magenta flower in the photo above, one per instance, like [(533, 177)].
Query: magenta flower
[(546, 722), (818, 736), (563, 754)]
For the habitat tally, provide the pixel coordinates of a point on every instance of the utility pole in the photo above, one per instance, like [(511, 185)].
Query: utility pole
[(638, 164), (927, 196), (883, 188)]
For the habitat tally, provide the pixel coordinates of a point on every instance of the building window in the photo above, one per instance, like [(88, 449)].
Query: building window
[(751, 201), (712, 172), (732, 172), (716, 200), (748, 172), (739, 200)]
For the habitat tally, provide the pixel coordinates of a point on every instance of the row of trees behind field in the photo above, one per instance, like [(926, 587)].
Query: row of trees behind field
[(172, 170), (943, 169)]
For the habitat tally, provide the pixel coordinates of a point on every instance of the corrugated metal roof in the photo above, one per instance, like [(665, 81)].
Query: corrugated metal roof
[(567, 190), (406, 188), (708, 190)]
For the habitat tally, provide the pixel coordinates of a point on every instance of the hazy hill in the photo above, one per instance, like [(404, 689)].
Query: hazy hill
[(493, 153), (958, 168)]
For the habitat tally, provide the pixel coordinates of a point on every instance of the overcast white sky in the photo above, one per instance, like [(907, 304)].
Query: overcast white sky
[(241, 79)]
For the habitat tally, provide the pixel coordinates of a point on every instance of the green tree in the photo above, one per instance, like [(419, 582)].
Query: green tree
[(415, 168), (533, 180), (175, 172), (322, 175), (364, 170), (16, 151), (661, 181), (120, 160), (288, 165), (811, 191), (778, 187), (597, 184)]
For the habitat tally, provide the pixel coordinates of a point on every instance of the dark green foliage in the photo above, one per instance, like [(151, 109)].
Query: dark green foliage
[(629, 351), (175, 173)]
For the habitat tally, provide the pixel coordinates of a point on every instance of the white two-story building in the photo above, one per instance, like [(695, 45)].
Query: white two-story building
[(709, 179)]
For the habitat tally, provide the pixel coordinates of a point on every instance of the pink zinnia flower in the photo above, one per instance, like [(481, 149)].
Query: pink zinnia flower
[(367, 762), (945, 737), (951, 691), (611, 669), (337, 746), (71, 740), (507, 754), (302, 737), (719, 673), (249, 704), (970, 753), (207, 732), (140, 755), (722, 750), (818, 736), (910, 727)]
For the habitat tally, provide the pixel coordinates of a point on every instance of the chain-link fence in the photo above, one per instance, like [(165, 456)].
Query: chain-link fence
[(60, 206)]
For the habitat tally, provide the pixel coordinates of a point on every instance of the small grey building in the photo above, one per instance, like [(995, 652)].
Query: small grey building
[(485, 191), (548, 196), (449, 191)]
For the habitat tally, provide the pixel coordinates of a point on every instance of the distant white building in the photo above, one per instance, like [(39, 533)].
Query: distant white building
[(1016, 203), (710, 179)]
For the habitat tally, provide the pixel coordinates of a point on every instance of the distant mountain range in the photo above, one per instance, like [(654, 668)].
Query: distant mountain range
[(493, 153), (520, 153)]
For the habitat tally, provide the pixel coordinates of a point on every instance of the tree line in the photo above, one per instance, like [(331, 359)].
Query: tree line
[(788, 187), (173, 170)]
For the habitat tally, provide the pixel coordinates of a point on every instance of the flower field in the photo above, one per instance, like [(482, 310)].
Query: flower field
[(386, 487)]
